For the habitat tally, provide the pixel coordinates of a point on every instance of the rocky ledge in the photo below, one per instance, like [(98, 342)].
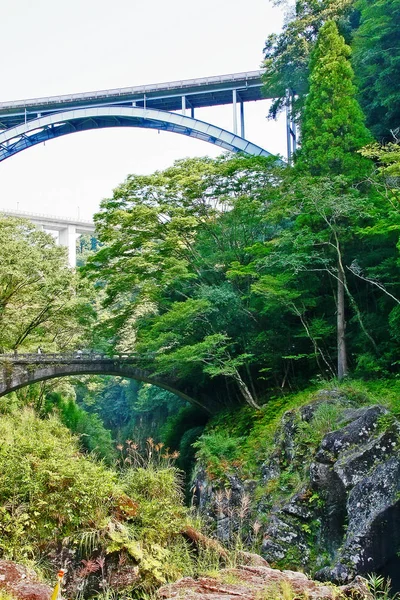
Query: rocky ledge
[(259, 583)]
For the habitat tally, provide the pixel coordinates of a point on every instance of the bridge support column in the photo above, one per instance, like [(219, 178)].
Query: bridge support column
[(67, 238), (188, 104), (234, 105), (242, 119), (291, 130), (184, 105)]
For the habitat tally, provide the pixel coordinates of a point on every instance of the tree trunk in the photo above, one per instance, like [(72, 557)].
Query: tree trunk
[(342, 369), (245, 391)]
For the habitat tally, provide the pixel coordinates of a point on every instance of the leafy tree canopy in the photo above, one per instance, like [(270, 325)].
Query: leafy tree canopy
[(222, 274), (376, 60), (42, 301)]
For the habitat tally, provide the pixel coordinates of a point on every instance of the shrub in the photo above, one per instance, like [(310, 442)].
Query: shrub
[(94, 436), (217, 451), (51, 493), (48, 489)]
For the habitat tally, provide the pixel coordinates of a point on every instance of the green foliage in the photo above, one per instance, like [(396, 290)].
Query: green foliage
[(181, 431), (310, 434), (41, 468), (159, 495), (287, 53), (127, 408), (177, 425), (376, 61), (86, 246), (187, 451), (154, 534), (388, 158), (42, 301), (111, 398), (217, 450), (167, 295), (50, 493), (253, 304), (4, 595), (332, 124), (93, 435), (240, 441), (380, 588)]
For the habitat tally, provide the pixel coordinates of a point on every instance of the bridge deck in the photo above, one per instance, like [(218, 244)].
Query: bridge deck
[(205, 91), (51, 221), (54, 357)]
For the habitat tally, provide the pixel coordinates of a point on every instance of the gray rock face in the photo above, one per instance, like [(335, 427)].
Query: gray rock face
[(373, 533), (227, 509), (355, 475), (359, 430), (344, 520)]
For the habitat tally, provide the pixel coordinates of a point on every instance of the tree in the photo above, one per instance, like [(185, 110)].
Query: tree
[(42, 301), (287, 54), (332, 124), (376, 60), (227, 276), (168, 241), (332, 131), (387, 157)]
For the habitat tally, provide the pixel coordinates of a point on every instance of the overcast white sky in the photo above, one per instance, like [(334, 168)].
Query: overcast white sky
[(55, 47)]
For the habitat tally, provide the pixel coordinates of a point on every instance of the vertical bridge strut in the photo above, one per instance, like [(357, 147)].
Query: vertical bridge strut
[(291, 128)]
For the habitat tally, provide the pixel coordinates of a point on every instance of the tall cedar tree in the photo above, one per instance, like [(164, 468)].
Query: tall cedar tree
[(332, 131), (332, 126)]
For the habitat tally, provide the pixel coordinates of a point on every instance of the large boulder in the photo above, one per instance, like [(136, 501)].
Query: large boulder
[(21, 582), (331, 499), (354, 525)]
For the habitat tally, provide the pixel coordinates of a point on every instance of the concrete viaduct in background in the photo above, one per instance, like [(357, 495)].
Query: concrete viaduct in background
[(68, 229), (162, 106)]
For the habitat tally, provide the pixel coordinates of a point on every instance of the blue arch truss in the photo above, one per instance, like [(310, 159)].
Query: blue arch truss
[(55, 124)]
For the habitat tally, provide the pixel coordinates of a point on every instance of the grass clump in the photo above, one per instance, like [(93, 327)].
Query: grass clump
[(380, 588)]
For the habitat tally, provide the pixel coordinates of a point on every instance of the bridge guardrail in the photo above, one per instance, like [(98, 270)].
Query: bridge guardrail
[(53, 356)]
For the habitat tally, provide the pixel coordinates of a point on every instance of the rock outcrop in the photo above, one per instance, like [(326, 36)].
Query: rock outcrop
[(22, 583), (332, 498), (251, 583), (348, 514)]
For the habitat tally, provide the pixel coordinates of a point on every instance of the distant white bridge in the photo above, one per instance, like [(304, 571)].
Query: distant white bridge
[(68, 229)]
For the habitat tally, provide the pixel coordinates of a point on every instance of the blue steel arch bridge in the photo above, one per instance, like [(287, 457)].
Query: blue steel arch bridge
[(163, 106)]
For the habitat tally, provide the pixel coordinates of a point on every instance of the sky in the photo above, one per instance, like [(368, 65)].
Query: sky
[(53, 47)]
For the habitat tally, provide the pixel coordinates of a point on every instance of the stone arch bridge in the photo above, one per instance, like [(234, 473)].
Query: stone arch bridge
[(20, 370)]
